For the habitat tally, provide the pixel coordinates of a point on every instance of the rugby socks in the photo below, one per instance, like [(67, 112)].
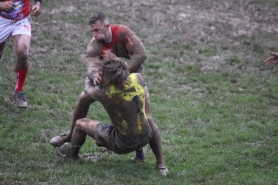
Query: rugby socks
[(78, 138), (140, 153), (20, 79)]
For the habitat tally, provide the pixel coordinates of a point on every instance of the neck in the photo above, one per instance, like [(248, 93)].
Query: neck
[(109, 36)]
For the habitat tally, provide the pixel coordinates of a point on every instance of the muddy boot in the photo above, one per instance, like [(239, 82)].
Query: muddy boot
[(139, 156), (59, 140), (65, 150), (20, 100)]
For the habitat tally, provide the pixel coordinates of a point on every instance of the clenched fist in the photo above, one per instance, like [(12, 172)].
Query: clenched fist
[(273, 60)]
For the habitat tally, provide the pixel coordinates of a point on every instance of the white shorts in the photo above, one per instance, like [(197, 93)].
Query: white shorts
[(14, 27)]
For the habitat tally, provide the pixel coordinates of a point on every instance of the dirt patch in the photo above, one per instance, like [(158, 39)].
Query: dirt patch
[(205, 32), (202, 24)]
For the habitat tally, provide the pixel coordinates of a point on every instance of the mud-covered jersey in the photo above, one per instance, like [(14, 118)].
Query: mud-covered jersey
[(124, 44), (21, 10), (122, 38), (126, 107)]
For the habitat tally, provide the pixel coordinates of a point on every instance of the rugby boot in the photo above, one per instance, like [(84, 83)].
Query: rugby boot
[(61, 139), (65, 150), (20, 99), (139, 156)]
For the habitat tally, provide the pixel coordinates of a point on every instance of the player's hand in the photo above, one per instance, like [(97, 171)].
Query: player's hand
[(7, 6), (36, 9), (97, 79), (110, 55), (94, 77), (273, 60)]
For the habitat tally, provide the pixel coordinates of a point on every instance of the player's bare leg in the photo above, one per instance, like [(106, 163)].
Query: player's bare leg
[(139, 153), (83, 127), (80, 111), (156, 147), (2, 46), (21, 45)]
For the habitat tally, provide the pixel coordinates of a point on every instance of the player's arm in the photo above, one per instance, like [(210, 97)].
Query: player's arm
[(89, 89), (92, 70), (93, 60), (94, 77), (136, 50)]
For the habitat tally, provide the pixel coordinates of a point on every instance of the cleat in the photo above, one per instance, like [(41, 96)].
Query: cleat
[(65, 150), (139, 156), (60, 140), (138, 160), (20, 99), (162, 168)]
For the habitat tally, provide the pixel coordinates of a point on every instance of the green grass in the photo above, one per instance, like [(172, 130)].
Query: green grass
[(212, 97)]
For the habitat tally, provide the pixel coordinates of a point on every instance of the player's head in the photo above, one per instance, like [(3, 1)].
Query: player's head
[(114, 72), (99, 26), (98, 16)]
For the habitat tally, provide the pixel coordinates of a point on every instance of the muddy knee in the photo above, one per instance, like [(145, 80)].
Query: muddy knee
[(85, 124), (22, 59), (81, 123)]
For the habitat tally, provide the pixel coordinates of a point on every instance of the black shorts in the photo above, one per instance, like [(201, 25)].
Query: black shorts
[(106, 136)]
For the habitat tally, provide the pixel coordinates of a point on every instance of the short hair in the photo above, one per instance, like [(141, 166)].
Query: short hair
[(97, 16), (114, 72)]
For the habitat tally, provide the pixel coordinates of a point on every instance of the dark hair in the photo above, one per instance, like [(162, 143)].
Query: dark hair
[(114, 72), (98, 16)]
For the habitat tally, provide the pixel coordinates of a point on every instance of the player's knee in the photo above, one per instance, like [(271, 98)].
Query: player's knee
[(22, 51), (80, 123), (22, 59)]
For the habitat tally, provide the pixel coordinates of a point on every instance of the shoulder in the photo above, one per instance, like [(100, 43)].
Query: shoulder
[(121, 29), (94, 47), (138, 78)]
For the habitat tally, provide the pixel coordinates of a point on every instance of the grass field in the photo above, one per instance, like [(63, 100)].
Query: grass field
[(213, 99)]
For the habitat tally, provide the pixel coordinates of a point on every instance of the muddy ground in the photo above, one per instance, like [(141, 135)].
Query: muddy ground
[(209, 33)]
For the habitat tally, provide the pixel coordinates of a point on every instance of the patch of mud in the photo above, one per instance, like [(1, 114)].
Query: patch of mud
[(90, 157), (202, 24), (166, 23)]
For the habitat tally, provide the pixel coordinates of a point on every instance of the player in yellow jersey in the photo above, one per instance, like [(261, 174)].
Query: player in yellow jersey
[(123, 96), (110, 40)]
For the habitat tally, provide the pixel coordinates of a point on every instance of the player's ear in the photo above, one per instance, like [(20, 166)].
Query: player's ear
[(107, 26)]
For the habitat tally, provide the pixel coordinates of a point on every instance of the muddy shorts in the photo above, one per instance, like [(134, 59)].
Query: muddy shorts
[(14, 27), (106, 136)]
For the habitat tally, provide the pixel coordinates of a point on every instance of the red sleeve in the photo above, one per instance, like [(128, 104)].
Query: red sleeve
[(134, 47)]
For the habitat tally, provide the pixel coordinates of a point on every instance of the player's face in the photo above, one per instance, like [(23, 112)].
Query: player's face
[(99, 31)]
